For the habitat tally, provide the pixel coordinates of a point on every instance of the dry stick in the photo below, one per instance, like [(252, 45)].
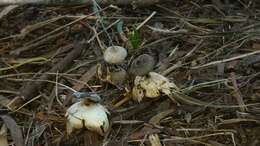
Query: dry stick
[(46, 81), (126, 115), (4, 103), (66, 25), (30, 89), (85, 78), (106, 28), (145, 21), (34, 45), (238, 95), (179, 64), (7, 10), (172, 68), (24, 74), (29, 28), (167, 31), (197, 46), (226, 60), (121, 102), (193, 101), (77, 2)]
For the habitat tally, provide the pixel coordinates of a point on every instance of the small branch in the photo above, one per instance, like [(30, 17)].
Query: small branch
[(167, 31), (30, 89), (38, 43), (226, 60), (84, 78), (237, 93), (145, 21), (7, 10)]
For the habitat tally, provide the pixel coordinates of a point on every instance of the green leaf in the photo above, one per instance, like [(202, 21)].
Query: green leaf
[(134, 38)]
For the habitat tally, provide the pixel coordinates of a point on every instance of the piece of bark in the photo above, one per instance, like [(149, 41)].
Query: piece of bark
[(30, 89)]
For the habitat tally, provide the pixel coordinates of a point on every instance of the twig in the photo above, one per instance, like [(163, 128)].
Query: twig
[(38, 43), (122, 101), (29, 90), (176, 138), (193, 101), (85, 78), (46, 81), (132, 112), (23, 63), (172, 68), (226, 60), (167, 31), (193, 50), (66, 25), (237, 93), (146, 20), (28, 102), (95, 35), (25, 74), (6, 10)]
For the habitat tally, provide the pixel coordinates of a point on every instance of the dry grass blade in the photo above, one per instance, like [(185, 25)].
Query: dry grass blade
[(30, 89), (237, 93), (7, 10), (23, 63), (237, 121), (226, 60), (193, 101)]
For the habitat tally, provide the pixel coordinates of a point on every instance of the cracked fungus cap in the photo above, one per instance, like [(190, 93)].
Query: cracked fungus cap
[(151, 86), (92, 116)]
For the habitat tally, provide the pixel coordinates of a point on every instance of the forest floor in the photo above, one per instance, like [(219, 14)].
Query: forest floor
[(209, 50)]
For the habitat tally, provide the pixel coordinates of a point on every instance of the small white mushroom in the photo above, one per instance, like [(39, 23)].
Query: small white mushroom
[(115, 54), (92, 116)]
